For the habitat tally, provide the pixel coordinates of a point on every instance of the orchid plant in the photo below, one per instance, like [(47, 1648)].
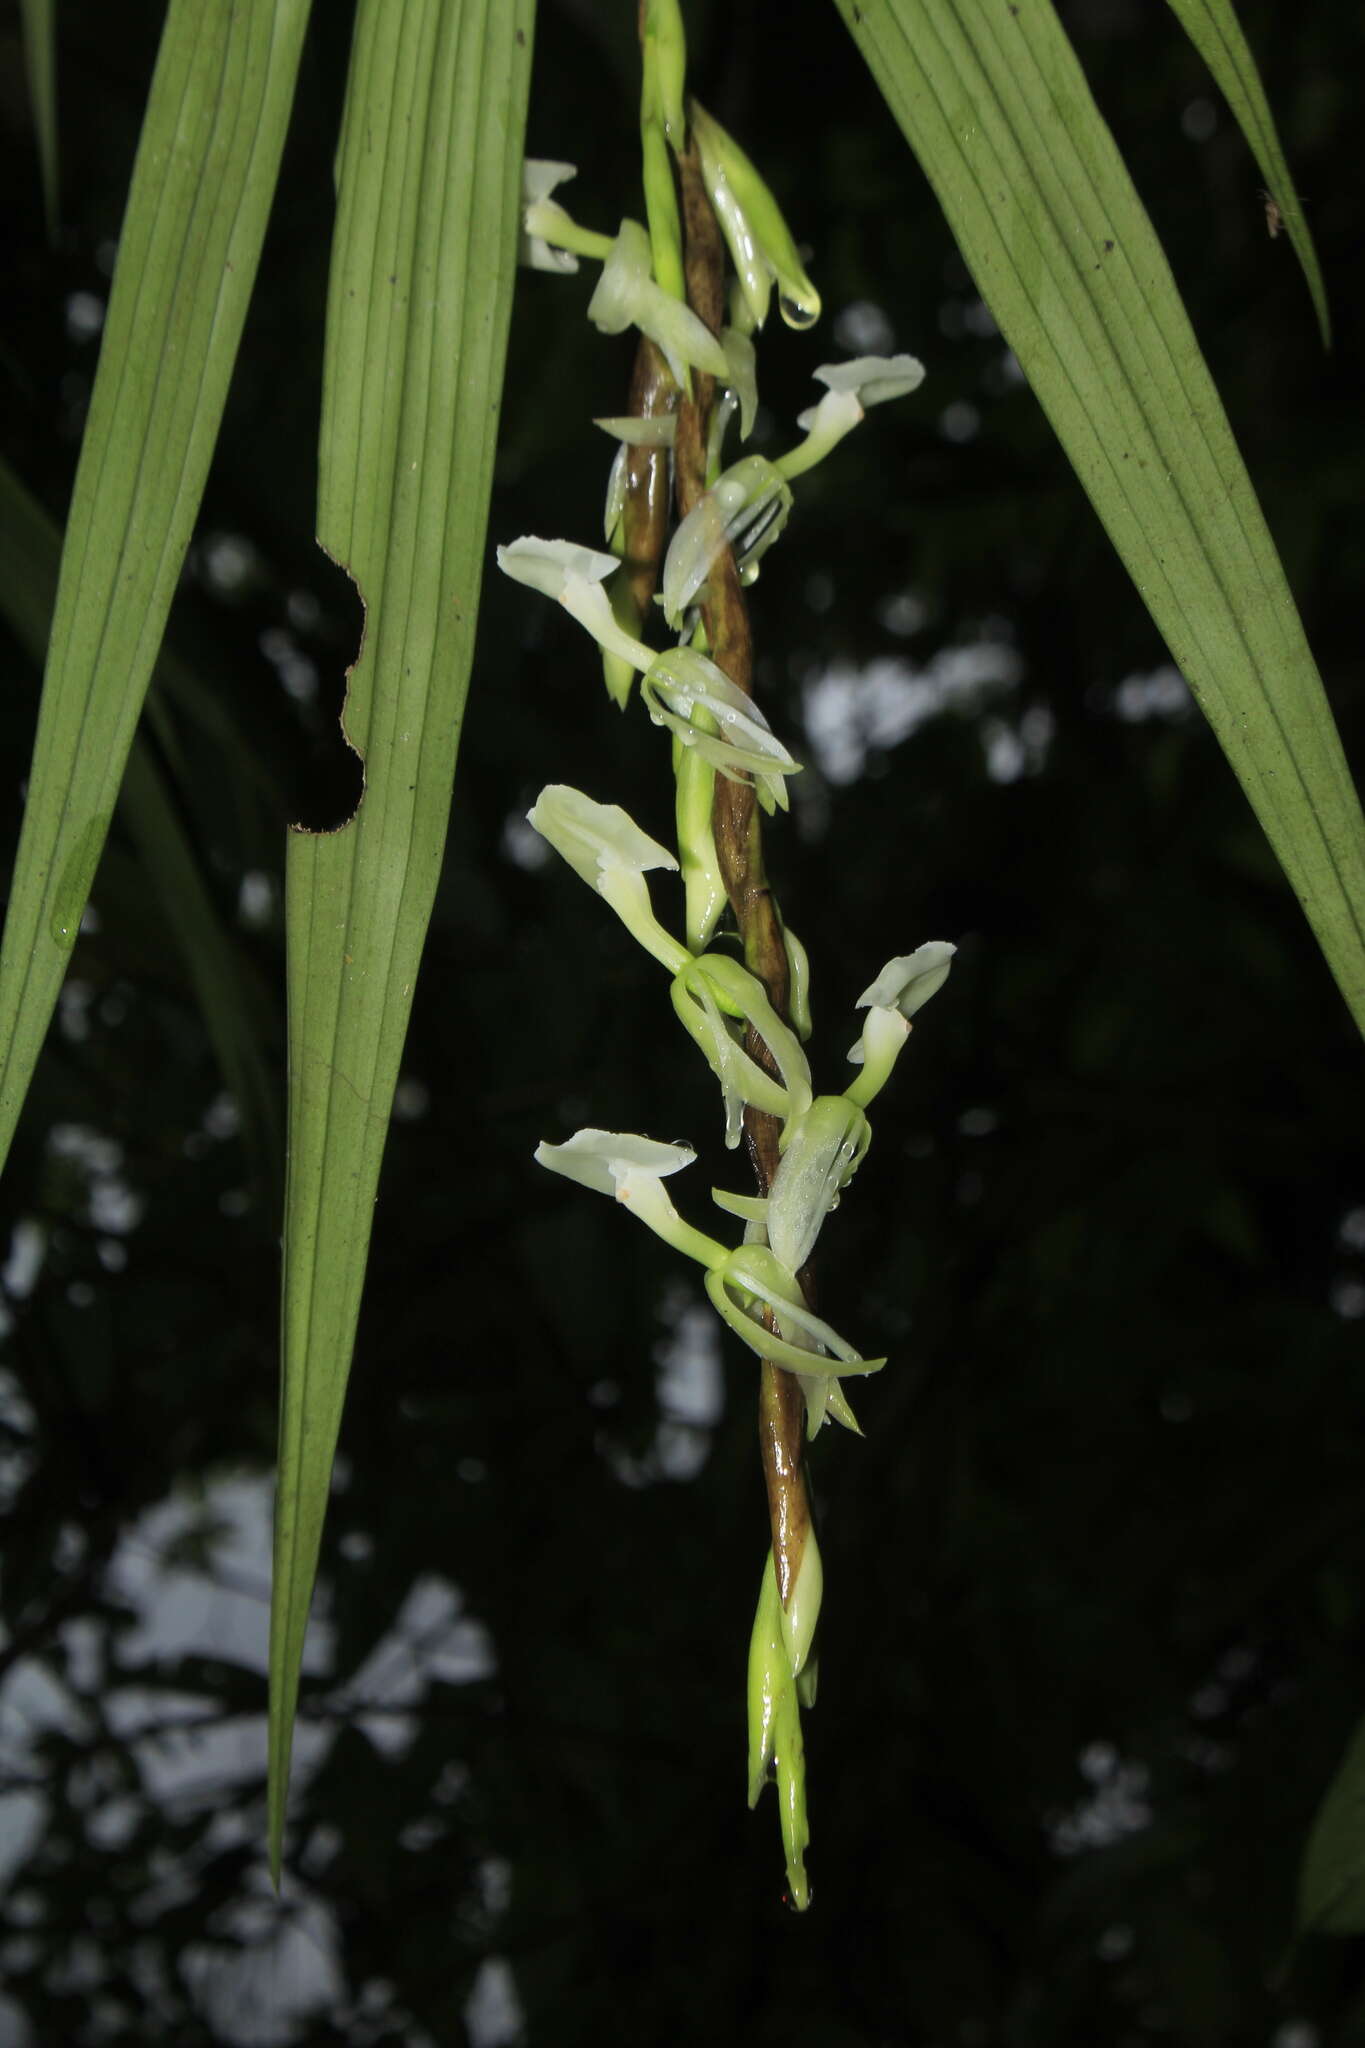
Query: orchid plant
[(739, 979)]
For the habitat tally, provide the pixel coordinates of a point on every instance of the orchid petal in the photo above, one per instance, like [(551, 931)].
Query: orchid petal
[(544, 565), (539, 177), (875, 379), (602, 1160), (907, 982)]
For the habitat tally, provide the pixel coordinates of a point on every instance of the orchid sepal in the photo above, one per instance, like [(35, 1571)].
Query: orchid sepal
[(798, 974), (821, 1151), (753, 1272)]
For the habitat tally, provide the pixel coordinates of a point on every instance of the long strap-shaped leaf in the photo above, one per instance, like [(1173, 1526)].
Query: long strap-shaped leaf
[(1216, 33), (201, 192), (30, 551), (39, 18), (994, 105), (421, 284)]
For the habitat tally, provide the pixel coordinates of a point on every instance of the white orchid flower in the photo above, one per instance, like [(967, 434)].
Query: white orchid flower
[(852, 387), (627, 296), (872, 379), (607, 1161), (700, 705), (546, 565), (745, 509), (605, 846), (907, 982), (631, 1170), (549, 235), (573, 575), (904, 985)]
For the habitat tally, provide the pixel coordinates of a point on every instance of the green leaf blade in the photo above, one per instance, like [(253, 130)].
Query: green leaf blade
[(200, 196), (1216, 33), (30, 551), (419, 307), (39, 19), (995, 107), (1332, 1878)]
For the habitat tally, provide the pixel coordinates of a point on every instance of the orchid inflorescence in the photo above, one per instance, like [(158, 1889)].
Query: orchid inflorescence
[(717, 730)]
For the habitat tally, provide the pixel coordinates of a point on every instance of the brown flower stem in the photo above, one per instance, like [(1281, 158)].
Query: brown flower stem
[(739, 849), (652, 391)]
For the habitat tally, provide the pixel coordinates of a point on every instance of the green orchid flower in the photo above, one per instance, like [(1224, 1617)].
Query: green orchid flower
[(753, 1281), (712, 996), (821, 1151), (685, 691), (745, 509)]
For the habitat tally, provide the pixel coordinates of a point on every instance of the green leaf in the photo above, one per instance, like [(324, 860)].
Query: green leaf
[(1216, 33), (231, 1003), (1332, 1880), (994, 105), (201, 191), (420, 299), (39, 18)]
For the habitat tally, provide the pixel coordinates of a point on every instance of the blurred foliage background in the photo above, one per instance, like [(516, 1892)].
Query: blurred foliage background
[(1094, 1637)]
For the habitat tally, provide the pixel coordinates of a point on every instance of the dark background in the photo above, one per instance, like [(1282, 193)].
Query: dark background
[(1094, 1637)]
